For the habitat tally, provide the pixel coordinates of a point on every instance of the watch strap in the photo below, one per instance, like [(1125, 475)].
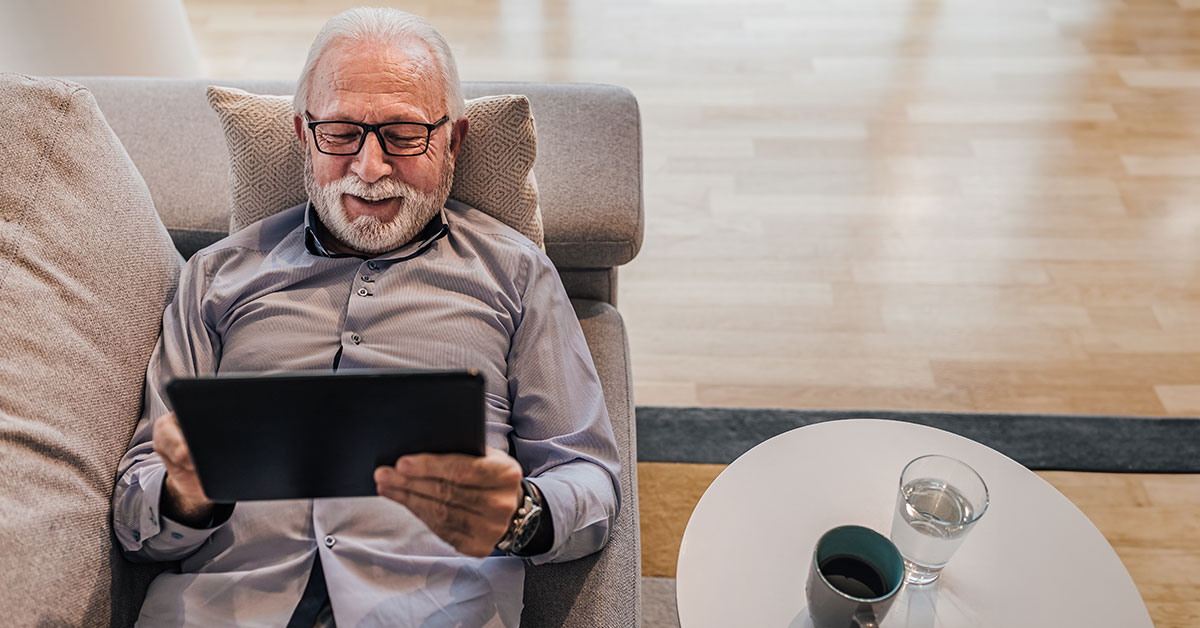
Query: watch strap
[(524, 524)]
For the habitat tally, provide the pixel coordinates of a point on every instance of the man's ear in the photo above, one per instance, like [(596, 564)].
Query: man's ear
[(457, 134), (298, 122)]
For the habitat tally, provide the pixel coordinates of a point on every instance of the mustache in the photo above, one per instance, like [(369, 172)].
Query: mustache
[(377, 191)]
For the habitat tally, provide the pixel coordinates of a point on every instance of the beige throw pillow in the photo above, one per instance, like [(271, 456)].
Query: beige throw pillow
[(86, 269), (494, 171)]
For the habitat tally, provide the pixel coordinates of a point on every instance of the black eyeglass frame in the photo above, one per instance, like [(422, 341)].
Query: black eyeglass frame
[(373, 128)]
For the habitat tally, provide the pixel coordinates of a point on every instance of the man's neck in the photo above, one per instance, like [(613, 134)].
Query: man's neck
[(333, 244)]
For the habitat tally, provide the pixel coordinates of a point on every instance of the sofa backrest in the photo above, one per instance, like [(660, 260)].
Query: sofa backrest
[(588, 168)]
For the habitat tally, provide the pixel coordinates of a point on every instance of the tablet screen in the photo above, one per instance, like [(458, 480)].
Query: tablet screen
[(309, 435)]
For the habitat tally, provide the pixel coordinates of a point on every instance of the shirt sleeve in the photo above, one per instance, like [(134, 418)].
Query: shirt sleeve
[(187, 346), (562, 435)]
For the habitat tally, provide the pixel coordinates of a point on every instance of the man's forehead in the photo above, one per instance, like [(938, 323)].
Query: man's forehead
[(382, 79)]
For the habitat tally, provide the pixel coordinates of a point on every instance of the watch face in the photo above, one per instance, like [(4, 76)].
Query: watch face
[(524, 536)]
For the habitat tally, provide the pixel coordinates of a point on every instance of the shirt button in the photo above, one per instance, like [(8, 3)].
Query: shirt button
[(329, 541), (372, 265), (355, 338), (367, 278), (362, 292)]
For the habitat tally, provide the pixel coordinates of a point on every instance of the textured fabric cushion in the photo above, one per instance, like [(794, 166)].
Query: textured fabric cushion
[(86, 269), (494, 171)]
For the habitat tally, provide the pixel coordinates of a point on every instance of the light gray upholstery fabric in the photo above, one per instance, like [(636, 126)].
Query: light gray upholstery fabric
[(86, 269), (581, 593), (597, 284), (588, 167)]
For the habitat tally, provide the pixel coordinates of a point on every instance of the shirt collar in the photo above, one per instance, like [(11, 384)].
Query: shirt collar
[(437, 228)]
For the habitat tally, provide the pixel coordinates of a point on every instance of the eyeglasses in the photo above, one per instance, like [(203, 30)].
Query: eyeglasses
[(398, 139)]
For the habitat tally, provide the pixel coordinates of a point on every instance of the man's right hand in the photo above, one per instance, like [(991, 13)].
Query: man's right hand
[(183, 498)]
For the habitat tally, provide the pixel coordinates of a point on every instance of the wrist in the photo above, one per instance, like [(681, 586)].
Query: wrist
[(172, 504), (530, 531)]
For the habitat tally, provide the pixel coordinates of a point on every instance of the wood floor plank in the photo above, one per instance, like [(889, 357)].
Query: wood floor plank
[(1183, 399)]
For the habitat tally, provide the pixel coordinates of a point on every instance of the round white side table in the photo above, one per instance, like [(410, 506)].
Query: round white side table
[(1033, 560)]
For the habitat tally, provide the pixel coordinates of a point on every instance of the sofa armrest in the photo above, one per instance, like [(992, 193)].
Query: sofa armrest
[(603, 590)]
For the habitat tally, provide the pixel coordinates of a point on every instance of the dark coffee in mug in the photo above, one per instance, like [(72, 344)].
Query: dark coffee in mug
[(854, 576)]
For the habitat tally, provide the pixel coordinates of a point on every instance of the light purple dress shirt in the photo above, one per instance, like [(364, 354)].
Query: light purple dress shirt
[(469, 293)]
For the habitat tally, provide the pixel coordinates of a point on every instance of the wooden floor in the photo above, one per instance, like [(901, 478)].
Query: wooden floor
[(963, 205)]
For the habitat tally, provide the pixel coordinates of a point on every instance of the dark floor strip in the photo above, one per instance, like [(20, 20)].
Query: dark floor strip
[(1043, 442)]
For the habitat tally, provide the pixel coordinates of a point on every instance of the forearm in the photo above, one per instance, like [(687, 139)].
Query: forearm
[(174, 507), (583, 507), (185, 348)]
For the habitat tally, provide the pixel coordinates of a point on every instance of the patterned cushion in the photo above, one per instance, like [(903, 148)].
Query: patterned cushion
[(86, 269), (494, 170)]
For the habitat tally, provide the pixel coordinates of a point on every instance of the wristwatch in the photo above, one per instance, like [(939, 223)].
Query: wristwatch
[(524, 522)]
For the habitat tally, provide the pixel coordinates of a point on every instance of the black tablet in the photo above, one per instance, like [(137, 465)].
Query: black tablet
[(308, 435)]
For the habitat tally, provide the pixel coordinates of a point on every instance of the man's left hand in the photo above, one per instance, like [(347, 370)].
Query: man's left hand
[(468, 501)]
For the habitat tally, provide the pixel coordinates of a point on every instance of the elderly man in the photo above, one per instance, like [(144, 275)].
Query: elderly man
[(378, 269)]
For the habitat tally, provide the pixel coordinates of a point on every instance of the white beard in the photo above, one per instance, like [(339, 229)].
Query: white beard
[(369, 234)]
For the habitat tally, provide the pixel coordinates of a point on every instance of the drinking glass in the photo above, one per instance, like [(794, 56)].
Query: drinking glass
[(940, 500)]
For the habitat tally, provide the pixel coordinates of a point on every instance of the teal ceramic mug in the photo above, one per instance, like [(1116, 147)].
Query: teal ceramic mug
[(854, 577)]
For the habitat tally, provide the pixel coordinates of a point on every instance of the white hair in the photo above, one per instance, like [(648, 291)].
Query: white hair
[(389, 26)]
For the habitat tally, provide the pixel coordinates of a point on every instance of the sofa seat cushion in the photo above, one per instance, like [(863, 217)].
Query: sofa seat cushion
[(86, 269)]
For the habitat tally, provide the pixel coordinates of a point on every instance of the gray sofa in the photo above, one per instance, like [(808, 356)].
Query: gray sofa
[(588, 170)]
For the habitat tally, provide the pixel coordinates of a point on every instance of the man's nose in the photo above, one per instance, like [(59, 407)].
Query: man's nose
[(370, 164)]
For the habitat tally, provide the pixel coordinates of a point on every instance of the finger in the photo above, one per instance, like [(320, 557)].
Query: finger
[(467, 532), (388, 480), (495, 470), (440, 516), (494, 503), (470, 499), (165, 437), (491, 503), (175, 453)]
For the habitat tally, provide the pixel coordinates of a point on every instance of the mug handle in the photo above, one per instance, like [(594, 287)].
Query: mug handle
[(865, 618)]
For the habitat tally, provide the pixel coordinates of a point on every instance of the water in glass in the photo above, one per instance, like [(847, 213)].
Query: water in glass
[(932, 519)]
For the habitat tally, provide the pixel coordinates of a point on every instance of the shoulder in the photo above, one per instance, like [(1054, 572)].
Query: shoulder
[(494, 242), (255, 240), (487, 232)]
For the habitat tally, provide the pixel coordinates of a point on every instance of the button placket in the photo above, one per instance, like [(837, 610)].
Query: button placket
[(367, 278)]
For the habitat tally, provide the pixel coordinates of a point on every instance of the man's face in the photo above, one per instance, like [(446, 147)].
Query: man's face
[(371, 201)]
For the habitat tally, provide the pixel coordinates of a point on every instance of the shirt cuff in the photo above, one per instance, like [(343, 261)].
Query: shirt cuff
[(163, 535), (177, 536), (582, 506)]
